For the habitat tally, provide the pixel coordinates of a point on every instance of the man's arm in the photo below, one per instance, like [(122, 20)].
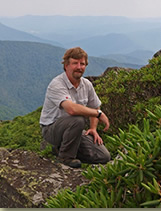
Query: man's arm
[(77, 109)]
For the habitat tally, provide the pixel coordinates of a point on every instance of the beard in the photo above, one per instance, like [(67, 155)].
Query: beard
[(77, 74)]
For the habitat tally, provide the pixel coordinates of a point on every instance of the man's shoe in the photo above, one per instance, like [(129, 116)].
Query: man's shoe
[(74, 163)]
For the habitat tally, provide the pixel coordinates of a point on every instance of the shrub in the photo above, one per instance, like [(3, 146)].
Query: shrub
[(126, 95)]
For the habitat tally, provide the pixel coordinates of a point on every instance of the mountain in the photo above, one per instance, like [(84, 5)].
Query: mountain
[(107, 44), (150, 39), (67, 29), (135, 57), (7, 33), (79, 26), (114, 42), (99, 35), (26, 68)]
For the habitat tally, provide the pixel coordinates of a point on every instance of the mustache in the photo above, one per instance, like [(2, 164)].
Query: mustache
[(79, 70)]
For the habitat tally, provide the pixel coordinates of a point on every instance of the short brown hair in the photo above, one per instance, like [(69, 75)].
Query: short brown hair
[(74, 53)]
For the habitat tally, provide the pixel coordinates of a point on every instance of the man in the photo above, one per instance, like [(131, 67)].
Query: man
[(69, 99)]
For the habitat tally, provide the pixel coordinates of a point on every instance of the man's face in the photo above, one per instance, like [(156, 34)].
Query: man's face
[(75, 68)]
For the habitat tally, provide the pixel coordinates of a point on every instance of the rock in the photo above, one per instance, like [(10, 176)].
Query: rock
[(4, 153), (26, 179), (158, 53), (116, 69)]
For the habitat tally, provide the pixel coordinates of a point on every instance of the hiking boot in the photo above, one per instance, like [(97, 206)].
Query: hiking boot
[(74, 163)]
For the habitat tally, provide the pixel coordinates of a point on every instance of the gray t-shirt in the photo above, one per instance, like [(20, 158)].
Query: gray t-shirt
[(60, 89)]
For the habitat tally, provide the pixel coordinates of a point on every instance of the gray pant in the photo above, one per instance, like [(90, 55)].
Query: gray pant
[(67, 134)]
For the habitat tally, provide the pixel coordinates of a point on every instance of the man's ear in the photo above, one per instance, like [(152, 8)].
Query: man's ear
[(65, 66)]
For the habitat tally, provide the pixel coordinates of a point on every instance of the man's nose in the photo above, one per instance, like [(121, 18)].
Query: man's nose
[(78, 65)]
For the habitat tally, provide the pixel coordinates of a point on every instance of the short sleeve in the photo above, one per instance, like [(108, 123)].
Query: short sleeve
[(57, 93), (93, 99)]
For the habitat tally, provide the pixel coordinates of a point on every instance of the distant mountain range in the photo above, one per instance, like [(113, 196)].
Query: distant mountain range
[(99, 35), (136, 57), (8, 33), (26, 68), (110, 43)]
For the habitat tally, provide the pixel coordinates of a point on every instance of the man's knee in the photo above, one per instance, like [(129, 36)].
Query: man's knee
[(105, 158)]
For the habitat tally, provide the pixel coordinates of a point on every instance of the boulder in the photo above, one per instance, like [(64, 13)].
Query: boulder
[(158, 53), (116, 69), (27, 179)]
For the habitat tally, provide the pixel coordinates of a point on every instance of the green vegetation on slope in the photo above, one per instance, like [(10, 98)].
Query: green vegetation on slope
[(22, 132), (126, 94)]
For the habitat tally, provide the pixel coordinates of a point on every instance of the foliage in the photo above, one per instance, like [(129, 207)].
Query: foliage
[(126, 95), (131, 180), (22, 132)]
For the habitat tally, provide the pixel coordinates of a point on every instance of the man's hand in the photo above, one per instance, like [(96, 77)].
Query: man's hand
[(97, 138), (104, 119)]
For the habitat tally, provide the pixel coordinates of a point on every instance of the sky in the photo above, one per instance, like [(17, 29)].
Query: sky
[(127, 8)]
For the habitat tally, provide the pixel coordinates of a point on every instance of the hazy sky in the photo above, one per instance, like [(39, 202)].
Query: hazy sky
[(129, 8)]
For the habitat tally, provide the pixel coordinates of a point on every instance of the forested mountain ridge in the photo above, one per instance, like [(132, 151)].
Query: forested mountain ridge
[(8, 33), (98, 35), (26, 68)]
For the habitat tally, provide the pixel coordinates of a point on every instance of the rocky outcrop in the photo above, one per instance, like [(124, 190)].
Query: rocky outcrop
[(27, 179), (116, 69), (158, 53)]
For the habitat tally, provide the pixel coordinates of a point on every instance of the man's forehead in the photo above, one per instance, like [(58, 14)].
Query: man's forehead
[(80, 59)]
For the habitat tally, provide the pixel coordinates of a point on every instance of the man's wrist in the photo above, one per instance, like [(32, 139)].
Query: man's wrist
[(99, 113)]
